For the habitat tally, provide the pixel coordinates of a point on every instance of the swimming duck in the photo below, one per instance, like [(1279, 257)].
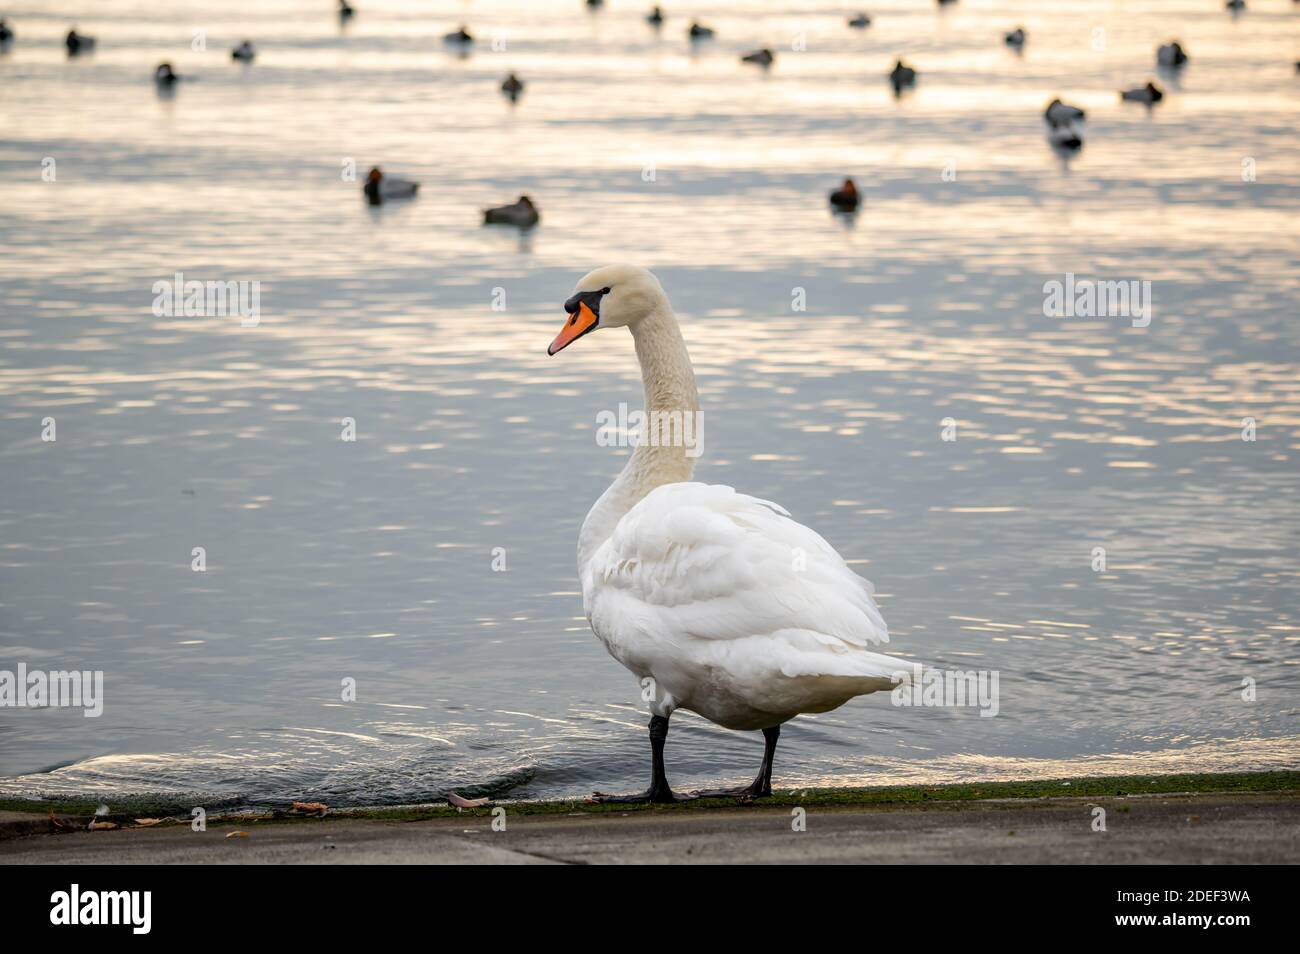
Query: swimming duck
[(1146, 94), (845, 198), (380, 188), (1059, 113), (6, 34), (860, 22), (164, 75), (461, 37), (902, 75), (689, 586), (1236, 4), (76, 43), (244, 52), (699, 31), (1016, 37), (1171, 54), (655, 17), (512, 87), (522, 213), (345, 10), (762, 57)]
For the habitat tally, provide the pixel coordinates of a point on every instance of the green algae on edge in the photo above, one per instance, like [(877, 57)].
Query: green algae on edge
[(896, 796)]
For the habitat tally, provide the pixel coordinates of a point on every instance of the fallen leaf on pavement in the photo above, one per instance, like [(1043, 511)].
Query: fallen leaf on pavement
[(458, 801)]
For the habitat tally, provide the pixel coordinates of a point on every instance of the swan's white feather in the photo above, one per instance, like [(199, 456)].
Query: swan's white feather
[(737, 611)]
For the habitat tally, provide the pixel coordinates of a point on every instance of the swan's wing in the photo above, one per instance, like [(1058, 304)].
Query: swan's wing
[(702, 562)]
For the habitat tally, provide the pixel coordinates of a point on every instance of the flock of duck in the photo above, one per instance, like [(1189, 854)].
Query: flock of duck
[(1063, 121)]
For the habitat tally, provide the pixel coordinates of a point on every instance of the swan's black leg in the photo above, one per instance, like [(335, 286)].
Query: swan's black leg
[(762, 784), (658, 792)]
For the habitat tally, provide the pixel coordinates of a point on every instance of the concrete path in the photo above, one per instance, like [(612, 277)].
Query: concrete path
[(1197, 829)]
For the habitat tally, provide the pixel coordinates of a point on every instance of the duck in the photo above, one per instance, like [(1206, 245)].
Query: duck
[(6, 32), (655, 17), (379, 188), (1059, 113), (1016, 37), (689, 585), (244, 52), (164, 75), (699, 31), (345, 10), (512, 87), (77, 43), (1151, 93), (763, 57), (461, 37), (860, 21), (1236, 4), (902, 75), (845, 198), (521, 213), (1171, 54)]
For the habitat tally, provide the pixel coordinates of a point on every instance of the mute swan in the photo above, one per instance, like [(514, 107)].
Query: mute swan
[(77, 43), (763, 57), (1148, 94), (244, 52), (845, 198), (1059, 113), (1171, 54), (719, 602), (379, 188), (522, 213)]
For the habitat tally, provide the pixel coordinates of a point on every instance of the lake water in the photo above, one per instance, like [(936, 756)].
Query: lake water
[(372, 559)]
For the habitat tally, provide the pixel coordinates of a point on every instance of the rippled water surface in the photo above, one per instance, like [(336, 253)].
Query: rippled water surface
[(372, 559)]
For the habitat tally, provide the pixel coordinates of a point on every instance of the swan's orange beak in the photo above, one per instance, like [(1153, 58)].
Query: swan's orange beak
[(579, 323)]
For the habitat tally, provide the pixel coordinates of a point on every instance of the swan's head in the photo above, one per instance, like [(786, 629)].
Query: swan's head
[(611, 297)]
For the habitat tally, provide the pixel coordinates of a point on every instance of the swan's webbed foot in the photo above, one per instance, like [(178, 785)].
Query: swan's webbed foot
[(759, 788), (657, 795)]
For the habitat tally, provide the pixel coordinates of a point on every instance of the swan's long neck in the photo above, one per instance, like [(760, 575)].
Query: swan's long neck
[(661, 457)]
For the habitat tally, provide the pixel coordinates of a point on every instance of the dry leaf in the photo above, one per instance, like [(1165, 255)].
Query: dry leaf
[(58, 824), (238, 834), (102, 825), (457, 801), (147, 822), (310, 807)]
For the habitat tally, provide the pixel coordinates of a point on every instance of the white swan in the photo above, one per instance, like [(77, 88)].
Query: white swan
[(728, 606)]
